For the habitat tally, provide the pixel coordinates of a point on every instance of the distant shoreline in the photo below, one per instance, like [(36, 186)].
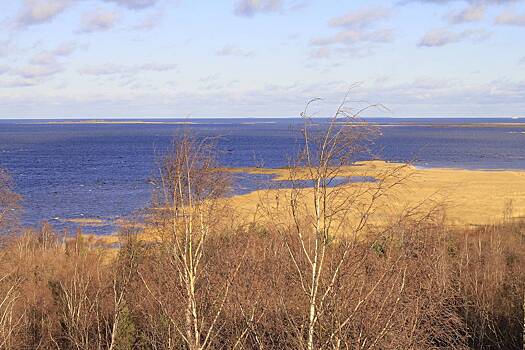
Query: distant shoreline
[(255, 122), (115, 122)]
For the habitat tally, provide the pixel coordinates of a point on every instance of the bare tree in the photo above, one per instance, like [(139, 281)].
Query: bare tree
[(326, 215), (189, 207)]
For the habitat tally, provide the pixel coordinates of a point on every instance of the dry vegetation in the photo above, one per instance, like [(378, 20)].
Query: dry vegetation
[(309, 271), (472, 197)]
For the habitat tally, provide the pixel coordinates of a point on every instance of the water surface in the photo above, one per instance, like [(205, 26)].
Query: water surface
[(103, 170)]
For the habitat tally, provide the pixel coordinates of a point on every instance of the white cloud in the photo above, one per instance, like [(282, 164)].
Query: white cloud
[(473, 13), (156, 67), (511, 18), (17, 83), (418, 97), (43, 58), (232, 50), (41, 67), (356, 38), (103, 69), (249, 8), (487, 2), (134, 4), (322, 52), (442, 37), (40, 11), (65, 49), (351, 36), (38, 71), (451, 97), (362, 18), (150, 22), (98, 20), (125, 71), (52, 56), (210, 78)]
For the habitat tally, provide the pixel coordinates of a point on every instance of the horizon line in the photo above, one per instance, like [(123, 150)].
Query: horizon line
[(255, 117)]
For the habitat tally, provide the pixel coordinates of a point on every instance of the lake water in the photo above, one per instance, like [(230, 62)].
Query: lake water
[(102, 171)]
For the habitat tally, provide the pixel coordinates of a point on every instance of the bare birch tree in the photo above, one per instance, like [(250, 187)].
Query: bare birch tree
[(188, 209), (325, 214)]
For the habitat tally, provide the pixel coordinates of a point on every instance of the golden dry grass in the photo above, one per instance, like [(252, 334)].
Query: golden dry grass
[(469, 197)]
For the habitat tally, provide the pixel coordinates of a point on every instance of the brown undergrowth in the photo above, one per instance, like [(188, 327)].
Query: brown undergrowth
[(416, 286)]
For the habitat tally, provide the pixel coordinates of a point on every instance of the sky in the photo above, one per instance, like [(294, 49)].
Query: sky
[(261, 58)]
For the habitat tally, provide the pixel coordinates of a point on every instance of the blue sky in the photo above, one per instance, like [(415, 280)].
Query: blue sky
[(260, 58)]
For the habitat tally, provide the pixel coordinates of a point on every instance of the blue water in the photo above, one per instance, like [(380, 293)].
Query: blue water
[(103, 170), (245, 183)]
